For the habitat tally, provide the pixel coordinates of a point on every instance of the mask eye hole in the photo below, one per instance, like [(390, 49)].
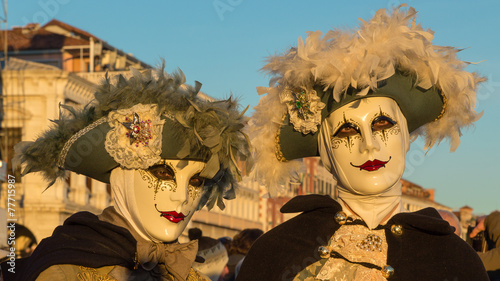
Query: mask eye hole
[(162, 172), (347, 130), (382, 123), (196, 180)]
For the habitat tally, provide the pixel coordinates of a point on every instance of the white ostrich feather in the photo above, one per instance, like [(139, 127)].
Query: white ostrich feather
[(262, 131)]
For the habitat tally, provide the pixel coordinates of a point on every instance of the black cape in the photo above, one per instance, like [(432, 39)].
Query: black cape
[(82, 240), (427, 250)]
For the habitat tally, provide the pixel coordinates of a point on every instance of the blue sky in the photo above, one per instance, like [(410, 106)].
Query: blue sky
[(223, 44)]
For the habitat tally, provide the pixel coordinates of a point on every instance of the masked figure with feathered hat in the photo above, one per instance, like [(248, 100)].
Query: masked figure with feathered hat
[(165, 149), (356, 99)]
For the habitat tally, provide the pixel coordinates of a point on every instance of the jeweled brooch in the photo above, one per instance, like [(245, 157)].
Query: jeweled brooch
[(371, 243), (304, 108), (139, 132), (302, 104)]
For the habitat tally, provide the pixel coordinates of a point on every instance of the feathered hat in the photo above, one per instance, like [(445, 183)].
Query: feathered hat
[(389, 56), (134, 123)]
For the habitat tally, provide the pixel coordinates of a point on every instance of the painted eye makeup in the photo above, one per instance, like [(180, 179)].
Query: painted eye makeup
[(381, 123), (347, 130), (162, 172), (196, 180)]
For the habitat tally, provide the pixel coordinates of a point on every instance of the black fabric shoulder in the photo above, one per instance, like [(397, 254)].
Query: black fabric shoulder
[(305, 203), (429, 249), (426, 220), (82, 240), (285, 250)]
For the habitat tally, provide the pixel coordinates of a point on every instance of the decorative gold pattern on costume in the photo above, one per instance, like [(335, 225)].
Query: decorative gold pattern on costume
[(171, 185), (334, 140), (69, 143), (348, 140), (346, 239), (194, 192), (279, 154), (445, 103), (149, 178), (345, 242), (195, 276), (371, 243), (384, 134), (157, 184), (91, 274), (136, 261)]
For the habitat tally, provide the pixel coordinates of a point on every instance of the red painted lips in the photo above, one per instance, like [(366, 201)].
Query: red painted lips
[(372, 165), (173, 216)]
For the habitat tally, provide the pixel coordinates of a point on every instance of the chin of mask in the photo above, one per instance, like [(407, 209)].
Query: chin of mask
[(161, 200), (369, 141)]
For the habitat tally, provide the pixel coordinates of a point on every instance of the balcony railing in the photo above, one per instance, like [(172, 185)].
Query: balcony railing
[(97, 77)]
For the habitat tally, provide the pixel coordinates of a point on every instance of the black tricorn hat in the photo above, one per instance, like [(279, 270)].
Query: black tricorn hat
[(136, 122), (419, 106)]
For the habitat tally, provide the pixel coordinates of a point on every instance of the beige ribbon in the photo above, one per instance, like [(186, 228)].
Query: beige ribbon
[(160, 259), (163, 259)]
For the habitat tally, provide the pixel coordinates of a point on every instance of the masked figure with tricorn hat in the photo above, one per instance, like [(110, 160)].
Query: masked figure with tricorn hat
[(355, 99), (166, 151)]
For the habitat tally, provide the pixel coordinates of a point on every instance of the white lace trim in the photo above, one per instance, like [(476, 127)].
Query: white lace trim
[(304, 107), (134, 155)]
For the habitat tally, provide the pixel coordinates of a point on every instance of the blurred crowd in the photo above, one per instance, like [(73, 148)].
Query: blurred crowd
[(222, 257), (483, 234)]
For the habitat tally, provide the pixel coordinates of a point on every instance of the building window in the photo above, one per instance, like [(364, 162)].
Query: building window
[(89, 184), (10, 137)]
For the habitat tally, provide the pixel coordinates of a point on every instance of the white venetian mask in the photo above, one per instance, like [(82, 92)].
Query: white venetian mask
[(161, 200), (369, 141)]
